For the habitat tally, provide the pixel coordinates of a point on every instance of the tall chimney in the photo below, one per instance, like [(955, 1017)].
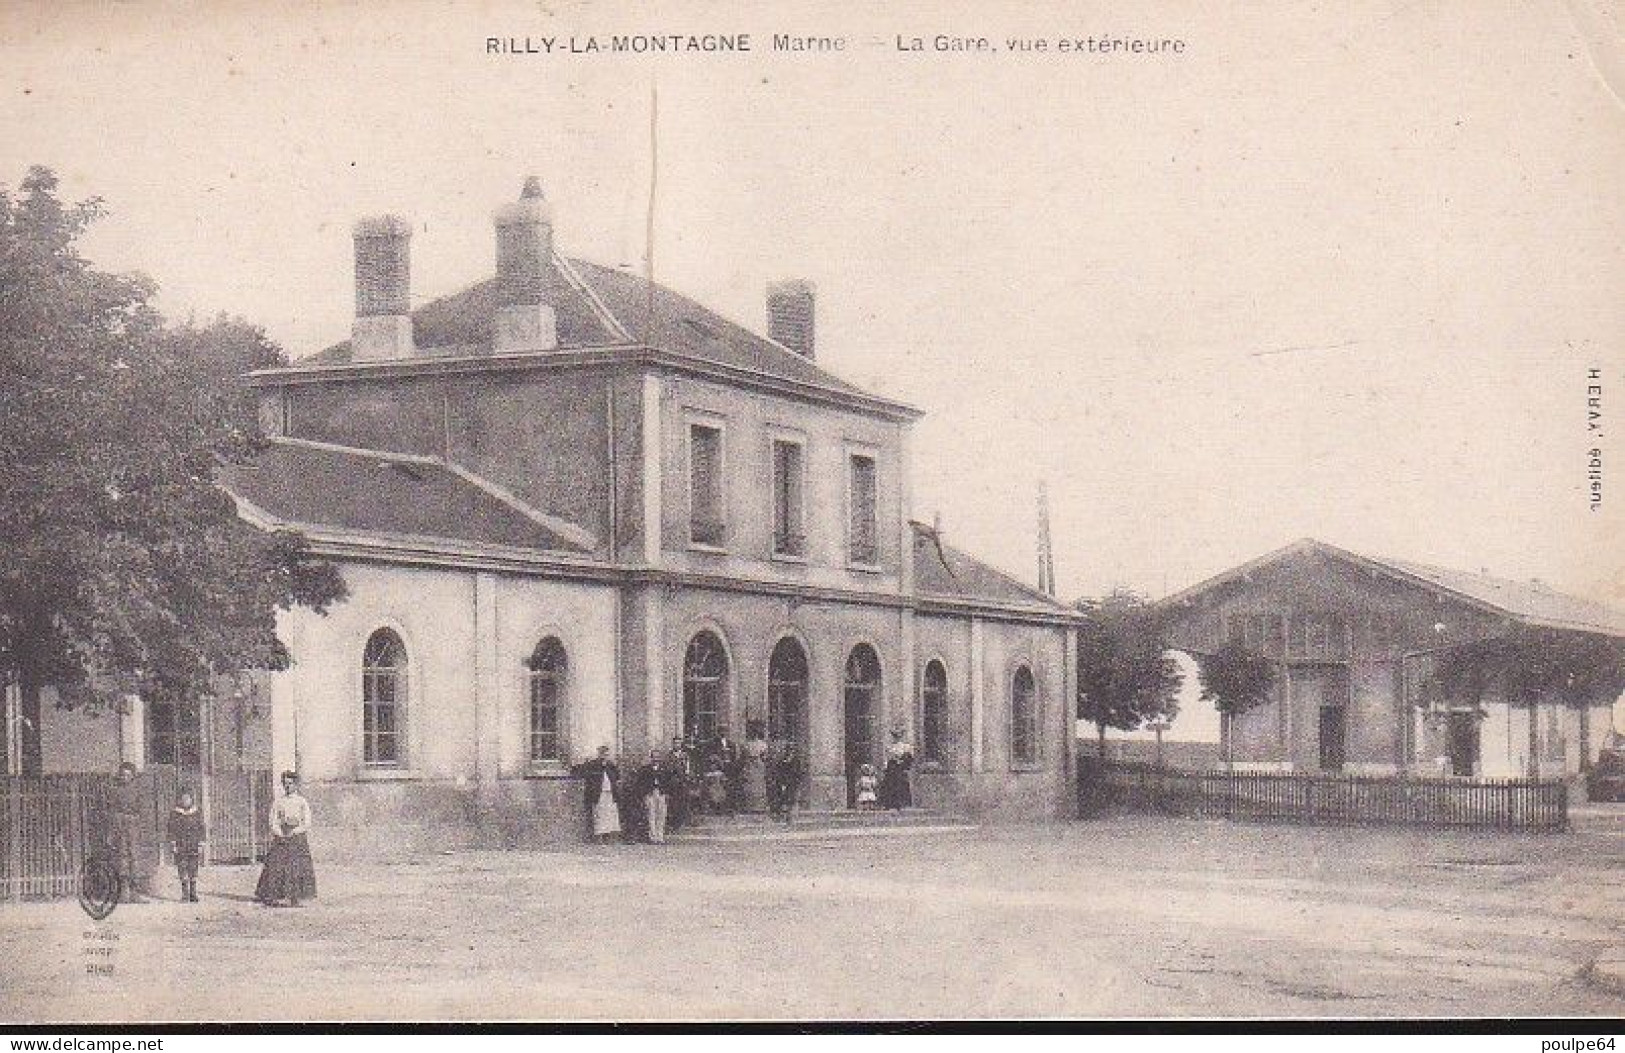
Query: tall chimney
[(524, 321), (790, 315), (383, 290)]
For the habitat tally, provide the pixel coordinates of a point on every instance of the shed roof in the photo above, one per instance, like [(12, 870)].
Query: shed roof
[(1525, 601)]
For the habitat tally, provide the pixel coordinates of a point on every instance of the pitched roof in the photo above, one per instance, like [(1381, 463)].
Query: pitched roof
[(1524, 601), (315, 486), (655, 315), (596, 307), (944, 571)]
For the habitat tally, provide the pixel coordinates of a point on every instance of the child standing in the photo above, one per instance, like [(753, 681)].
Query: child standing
[(867, 787), (186, 837)]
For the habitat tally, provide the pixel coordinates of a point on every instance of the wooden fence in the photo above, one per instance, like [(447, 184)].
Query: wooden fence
[(1499, 804), (49, 823)]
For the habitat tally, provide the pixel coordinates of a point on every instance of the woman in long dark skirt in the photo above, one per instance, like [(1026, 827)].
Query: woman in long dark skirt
[(895, 790), (289, 875)]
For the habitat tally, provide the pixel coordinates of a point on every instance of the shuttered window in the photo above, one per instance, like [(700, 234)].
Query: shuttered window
[(789, 536), (705, 522), (863, 534)]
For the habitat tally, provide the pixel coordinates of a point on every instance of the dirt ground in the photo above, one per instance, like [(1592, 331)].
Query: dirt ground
[(1130, 916)]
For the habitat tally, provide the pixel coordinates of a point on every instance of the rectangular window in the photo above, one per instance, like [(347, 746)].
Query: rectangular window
[(789, 532), (1380, 634), (1319, 637), (705, 502), (174, 734), (1260, 634), (863, 533)]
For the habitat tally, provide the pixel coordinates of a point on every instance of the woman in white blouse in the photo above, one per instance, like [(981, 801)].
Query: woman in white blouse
[(289, 875)]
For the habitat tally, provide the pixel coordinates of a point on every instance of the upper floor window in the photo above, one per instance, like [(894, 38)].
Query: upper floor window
[(383, 698), (933, 710), (1260, 634), (1023, 717), (705, 498), (789, 529), (1318, 636), (1380, 633), (544, 678), (863, 532)]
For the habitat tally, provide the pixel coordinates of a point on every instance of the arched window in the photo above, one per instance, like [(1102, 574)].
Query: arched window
[(383, 698), (1023, 717), (933, 710), (545, 677), (705, 687), (787, 692), (862, 699)]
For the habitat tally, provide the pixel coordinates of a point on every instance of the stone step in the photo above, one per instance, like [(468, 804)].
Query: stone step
[(820, 824), (819, 817), (819, 833)]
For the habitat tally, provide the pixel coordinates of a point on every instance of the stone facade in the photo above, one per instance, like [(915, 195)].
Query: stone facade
[(659, 536)]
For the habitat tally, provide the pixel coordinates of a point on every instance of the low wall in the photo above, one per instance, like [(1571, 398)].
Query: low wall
[(1187, 756)]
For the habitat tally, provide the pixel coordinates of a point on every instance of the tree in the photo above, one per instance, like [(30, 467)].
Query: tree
[(1234, 680), (126, 570), (1529, 663), (1126, 678)]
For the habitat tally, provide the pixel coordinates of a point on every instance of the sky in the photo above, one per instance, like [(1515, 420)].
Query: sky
[(1334, 270)]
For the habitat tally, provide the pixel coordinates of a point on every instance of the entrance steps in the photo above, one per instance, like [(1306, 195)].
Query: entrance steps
[(821, 825)]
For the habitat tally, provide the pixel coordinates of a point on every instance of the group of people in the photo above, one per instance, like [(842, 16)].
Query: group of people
[(721, 777), (893, 789), (288, 876), (718, 776)]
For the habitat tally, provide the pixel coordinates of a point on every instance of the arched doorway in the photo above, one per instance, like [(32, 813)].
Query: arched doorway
[(705, 687), (933, 711), (787, 694), (862, 699)]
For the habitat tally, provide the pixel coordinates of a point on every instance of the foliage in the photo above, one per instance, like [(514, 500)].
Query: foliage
[(1126, 678), (126, 569), (1234, 679), (1529, 663)]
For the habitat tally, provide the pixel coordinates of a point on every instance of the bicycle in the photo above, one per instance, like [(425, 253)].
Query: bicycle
[(101, 883)]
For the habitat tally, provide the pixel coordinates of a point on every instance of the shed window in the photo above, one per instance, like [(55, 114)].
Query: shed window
[(1023, 717)]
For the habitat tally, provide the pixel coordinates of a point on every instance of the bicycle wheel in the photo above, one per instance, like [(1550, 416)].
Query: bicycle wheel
[(100, 887)]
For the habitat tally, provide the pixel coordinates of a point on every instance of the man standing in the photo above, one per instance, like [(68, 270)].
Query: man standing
[(600, 791), (785, 786), (678, 771), (653, 789), (128, 806), (726, 753)]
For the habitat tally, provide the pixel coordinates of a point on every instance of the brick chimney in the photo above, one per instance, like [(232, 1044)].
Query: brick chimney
[(524, 321), (790, 315), (383, 290)]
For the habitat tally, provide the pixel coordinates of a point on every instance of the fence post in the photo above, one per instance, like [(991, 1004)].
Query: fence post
[(253, 821), (14, 839)]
